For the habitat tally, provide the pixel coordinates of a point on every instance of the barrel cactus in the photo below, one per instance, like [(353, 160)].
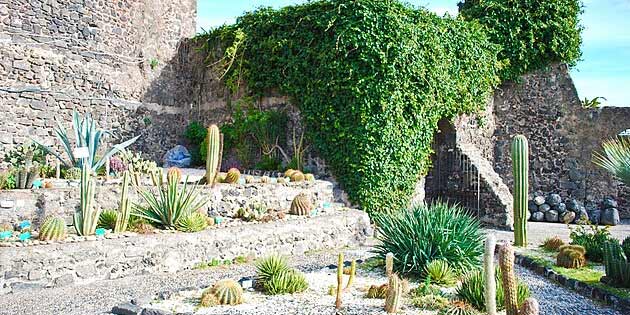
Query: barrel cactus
[(289, 172), (297, 176), (232, 176), (208, 299), (228, 292), (53, 229), (377, 291), (552, 243), (571, 256), (265, 179), (282, 180), (250, 179), (309, 177), (301, 205), (520, 170)]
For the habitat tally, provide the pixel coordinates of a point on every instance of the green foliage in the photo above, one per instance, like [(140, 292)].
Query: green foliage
[(592, 103), (136, 163), (107, 219), (430, 302), (27, 151), (288, 281), (472, 286), (73, 173), (592, 238), (617, 264), (371, 78), (86, 217), (615, 158), (269, 266), (626, 246), (421, 235), (196, 133), (193, 222), (7, 180), (532, 34), (440, 273)]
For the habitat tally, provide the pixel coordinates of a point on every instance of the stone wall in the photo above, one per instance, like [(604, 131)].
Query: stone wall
[(110, 58), (61, 264), (224, 199)]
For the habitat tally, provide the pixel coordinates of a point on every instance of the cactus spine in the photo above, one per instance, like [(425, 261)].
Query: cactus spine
[(520, 170), (124, 211), (490, 287), (389, 264), (394, 294), (506, 263), (213, 156), (53, 229), (86, 217)]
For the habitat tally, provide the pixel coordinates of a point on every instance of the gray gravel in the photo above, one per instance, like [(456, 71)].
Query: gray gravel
[(101, 296)]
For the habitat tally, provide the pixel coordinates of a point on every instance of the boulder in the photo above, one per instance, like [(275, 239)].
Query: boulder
[(538, 216), (532, 206), (561, 207), (609, 216), (553, 199), (539, 200), (544, 207), (580, 214), (572, 204), (177, 157), (595, 216), (568, 217), (551, 216), (609, 203)]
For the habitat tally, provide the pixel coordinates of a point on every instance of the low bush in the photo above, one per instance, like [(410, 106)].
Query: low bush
[(424, 234), (592, 238), (274, 276)]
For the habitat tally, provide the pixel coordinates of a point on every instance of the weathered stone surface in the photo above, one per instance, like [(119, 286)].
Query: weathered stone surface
[(551, 216), (538, 216), (568, 217), (539, 200), (609, 216), (553, 199), (544, 207), (609, 203), (126, 309)]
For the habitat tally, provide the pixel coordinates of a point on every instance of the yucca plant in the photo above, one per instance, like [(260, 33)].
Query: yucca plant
[(615, 158), (423, 234), (171, 204), (87, 135)]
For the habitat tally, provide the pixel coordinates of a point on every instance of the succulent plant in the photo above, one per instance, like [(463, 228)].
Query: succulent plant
[(265, 179), (490, 284), (377, 291), (107, 219), (281, 180), (53, 229), (512, 294), (288, 281), (269, 266), (117, 165), (232, 176), (142, 227), (309, 177), (289, 172), (441, 273), (552, 243), (389, 264), (617, 264), (301, 205), (220, 178), (6, 227), (459, 308), (571, 256), (228, 292), (73, 173), (250, 179), (86, 217), (208, 298), (520, 169), (393, 299), (430, 302), (124, 208), (214, 141), (297, 176), (193, 222), (175, 173)]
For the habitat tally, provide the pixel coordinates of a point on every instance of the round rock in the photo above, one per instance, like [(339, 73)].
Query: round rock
[(538, 216), (551, 216), (554, 199), (539, 200), (581, 215), (561, 207), (595, 216), (609, 203), (568, 217), (609, 216), (544, 207), (572, 204), (532, 206)]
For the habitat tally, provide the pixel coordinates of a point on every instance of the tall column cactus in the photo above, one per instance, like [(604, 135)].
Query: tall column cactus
[(490, 287), (123, 208), (393, 299), (520, 169), (214, 154), (389, 264), (86, 216), (506, 263), (339, 281)]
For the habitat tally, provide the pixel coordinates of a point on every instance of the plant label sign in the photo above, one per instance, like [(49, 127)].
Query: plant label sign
[(81, 152)]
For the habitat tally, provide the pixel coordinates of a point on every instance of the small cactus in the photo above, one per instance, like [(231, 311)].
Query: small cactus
[(339, 281), (309, 177), (571, 256), (389, 264), (107, 219), (297, 176), (506, 263), (301, 205), (214, 140), (377, 292), (393, 300), (208, 299), (232, 176), (228, 292), (53, 229), (553, 243), (174, 172), (282, 180), (289, 172), (265, 179), (193, 222), (490, 287), (249, 179)]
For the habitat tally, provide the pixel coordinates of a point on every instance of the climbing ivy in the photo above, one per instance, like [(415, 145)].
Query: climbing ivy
[(372, 78), (532, 33)]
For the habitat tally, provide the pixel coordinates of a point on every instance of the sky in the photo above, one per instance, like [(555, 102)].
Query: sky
[(604, 70)]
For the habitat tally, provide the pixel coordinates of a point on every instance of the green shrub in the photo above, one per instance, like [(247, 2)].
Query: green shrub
[(269, 266), (288, 281), (472, 286), (421, 235), (107, 219), (440, 273), (592, 238), (430, 302), (371, 78), (533, 34), (196, 133)]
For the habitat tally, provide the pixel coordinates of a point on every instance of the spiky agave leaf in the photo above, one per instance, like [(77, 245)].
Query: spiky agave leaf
[(107, 219), (194, 222), (441, 273), (269, 266), (615, 158), (288, 281)]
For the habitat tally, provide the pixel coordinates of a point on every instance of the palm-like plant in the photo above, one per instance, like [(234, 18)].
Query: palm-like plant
[(86, 135), (171, 204), (615, 158)]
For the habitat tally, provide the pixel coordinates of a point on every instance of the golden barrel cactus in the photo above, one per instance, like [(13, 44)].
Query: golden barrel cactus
[(301, 205), (232, 176)]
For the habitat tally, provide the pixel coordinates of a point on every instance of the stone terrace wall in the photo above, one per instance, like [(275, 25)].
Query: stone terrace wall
[(93, 56), (62, 264), (545, 107)]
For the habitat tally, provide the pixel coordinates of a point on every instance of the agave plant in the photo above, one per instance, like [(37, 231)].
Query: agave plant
[(171, 204), (615, 158), (86, 135)]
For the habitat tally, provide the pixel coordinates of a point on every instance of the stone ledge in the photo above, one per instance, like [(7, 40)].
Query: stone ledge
[(583, 288), (58, 265)]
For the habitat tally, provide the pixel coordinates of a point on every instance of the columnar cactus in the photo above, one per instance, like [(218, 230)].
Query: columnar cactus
[(232, 176), (571, 256), (124, 209), (389, 264), (228, 292), (309, 177), (53, 229), (394, 294), (520, 169), (301, 205), (339, 281), (213, 155), (490, 288), (86, 217), (506, 263)]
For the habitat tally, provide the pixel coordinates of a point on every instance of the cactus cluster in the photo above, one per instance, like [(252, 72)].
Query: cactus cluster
[(340, 272), (232, 176), (571, 256), (53, 229), (377, 291), (297, 176), (301, 205), (213, 157), (520, 169), (289, 172)]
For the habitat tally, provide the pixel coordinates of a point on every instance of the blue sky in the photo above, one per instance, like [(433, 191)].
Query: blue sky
[(604, 70)]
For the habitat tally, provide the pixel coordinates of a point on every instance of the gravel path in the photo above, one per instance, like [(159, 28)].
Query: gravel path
[(101, 296)]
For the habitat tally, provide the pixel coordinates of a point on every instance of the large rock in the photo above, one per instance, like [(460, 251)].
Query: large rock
[(572, 205), (532, 206), (595, 215), (609, 216), (538, 216), (177, 157), (561, 207), (544, 207), (609, 203), (539, 200), (553, 199), (581, 215), (551, 216), (568, 217)]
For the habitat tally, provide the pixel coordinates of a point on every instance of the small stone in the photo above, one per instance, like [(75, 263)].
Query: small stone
[(554, 199), (609, 216), (551, 216), (568, 217), (7, 204), (539, 200), (538, 216), (64, 280), (609, 203), (153, 311), (126, 309), (544, 207)]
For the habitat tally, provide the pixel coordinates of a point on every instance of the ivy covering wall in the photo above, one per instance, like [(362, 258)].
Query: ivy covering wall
[(371, 78)]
